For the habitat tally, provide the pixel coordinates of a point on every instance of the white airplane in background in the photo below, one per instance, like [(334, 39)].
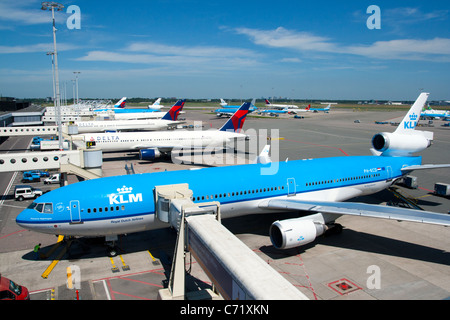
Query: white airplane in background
[(278, 106), (156, 105), (316, 188), (168, 120), (152, 145)]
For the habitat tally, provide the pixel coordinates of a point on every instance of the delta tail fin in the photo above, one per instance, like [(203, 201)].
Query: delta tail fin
[(236, 122), (173, 113)]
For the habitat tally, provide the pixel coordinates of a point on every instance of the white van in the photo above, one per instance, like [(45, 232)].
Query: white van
[(23, 192), (55, 178)]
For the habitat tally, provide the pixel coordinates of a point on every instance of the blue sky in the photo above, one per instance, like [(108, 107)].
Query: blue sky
[(230, 49)]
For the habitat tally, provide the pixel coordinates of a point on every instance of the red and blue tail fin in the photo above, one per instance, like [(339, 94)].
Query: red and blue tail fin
[(268, 102), (121, 104), (237, 120), (173, 113)]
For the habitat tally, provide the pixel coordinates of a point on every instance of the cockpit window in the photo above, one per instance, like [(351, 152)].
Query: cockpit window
[(42, 207), (48, 208), (39, 207)]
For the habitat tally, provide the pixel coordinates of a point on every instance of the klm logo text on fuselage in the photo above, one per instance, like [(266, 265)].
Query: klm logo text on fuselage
[(124, 195), (412, 123)]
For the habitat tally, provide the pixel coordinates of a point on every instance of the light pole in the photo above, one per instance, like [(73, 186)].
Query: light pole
[(58, 7), (76, 73), (73, 87), (50, 53)]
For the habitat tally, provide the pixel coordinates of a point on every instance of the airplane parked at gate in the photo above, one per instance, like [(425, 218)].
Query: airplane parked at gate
[(316, 187), (168, 120), (119, 105), (152, 145)]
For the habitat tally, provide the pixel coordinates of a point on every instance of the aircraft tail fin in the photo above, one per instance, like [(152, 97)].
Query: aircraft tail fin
[(223, 103), (236, 122), (156, 103), (121, 103), (173, 113), (264, 157), (267, 102), (411, 119)]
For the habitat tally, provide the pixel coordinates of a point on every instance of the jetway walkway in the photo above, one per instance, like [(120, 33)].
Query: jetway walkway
[(85, 163), (235, 271)]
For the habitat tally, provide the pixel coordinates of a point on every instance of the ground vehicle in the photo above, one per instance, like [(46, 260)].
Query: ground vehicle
[(9, 290), (55, 178), (41, 173), (29, 176), (22, 192)]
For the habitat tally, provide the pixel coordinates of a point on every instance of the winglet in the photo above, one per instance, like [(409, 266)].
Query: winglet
[(411, 119), (173, 113), (236, 122)]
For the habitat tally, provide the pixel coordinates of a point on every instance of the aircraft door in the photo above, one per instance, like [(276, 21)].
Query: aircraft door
[(389, 173), (292, 190), (75, 216)]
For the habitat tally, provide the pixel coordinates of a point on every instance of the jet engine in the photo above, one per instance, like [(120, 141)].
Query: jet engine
[(395, 144), (293, 233), (149, 154)]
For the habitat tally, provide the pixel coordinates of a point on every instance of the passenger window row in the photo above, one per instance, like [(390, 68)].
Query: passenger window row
[(316, 183), (106, 209), (237, 193)]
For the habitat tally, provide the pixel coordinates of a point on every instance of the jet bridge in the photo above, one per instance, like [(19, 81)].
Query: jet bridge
[(85, 163), (235, 271)]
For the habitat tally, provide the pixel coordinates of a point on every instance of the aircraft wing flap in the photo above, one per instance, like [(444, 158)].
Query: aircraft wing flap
[(360, 209)]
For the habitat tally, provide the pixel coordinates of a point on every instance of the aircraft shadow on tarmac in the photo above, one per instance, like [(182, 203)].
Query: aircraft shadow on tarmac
[(161, 242), (366, 242)]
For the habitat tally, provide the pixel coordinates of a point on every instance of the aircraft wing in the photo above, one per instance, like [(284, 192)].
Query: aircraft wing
[(425, 167), (360, 209)]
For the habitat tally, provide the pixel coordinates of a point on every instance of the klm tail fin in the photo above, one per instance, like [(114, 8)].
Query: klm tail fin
[(156, 103), (264, 157), (173, 113), (411, 119), (236, 122), (121, 103)]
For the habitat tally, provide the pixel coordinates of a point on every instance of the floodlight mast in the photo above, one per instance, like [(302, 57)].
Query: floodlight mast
[(58, 7)]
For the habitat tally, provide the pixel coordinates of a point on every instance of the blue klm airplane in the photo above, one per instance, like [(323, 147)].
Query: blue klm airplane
[(318, 188)]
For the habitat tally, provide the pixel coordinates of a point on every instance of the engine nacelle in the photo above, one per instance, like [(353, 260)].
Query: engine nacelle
[(149, 154), (397, 144), (293, 233)]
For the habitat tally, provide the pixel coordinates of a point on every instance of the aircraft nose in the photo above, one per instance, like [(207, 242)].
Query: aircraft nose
[(24, 218)]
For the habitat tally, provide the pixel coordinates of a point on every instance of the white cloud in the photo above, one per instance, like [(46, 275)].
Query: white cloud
[(27, 12), (437, 49), (194, 59), (283, 38), (39, 47)]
